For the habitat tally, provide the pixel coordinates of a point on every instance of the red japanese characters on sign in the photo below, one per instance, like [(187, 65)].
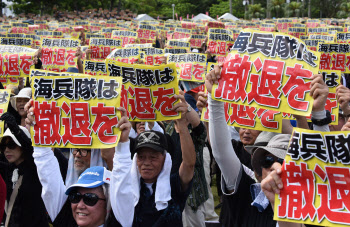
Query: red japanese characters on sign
[(260, 72), (75, 111), (316, 179)]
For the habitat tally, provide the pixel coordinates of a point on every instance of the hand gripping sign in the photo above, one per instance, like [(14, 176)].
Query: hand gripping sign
[(270, 71), (75, 110), (316, 179), (148, 91), (248, 117)]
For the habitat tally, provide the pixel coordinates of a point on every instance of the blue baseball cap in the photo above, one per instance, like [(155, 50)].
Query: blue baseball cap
[(92, 178), (72, 70)]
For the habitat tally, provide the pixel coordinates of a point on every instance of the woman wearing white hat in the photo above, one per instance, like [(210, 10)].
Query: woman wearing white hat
[(24, 204), (18, 102)]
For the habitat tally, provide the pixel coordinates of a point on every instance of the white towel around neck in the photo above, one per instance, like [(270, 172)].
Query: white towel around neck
[(163, 189)]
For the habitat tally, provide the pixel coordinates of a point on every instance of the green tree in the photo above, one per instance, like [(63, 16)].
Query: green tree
[(293, 9), (277, 7), (344, 10), (255, 11), (223, 7)]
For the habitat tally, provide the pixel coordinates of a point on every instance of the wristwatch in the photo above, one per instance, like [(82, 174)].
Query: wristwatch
[(189, 108), (324, 121)]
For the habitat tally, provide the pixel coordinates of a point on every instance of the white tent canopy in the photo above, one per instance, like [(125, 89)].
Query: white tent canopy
[(228, 16), (141, 17), (202, 16)]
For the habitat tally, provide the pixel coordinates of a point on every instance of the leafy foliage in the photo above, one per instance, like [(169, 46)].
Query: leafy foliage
[(163, 8)]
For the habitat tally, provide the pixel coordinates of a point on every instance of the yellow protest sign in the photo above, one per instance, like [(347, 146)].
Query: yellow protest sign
[(75, 111), (127, 37), (95, 67), (343, 37), (148, 91), (220, 41), (26, 42), (335, 56), (101, 48), (297, 31), (152, 56), (317, 30), (177, 44), (181, 33), (126, 55), (146, 33), (248, 117), (58, 54), (196, 41), (259, 72), (315, 177), (312, 44), (191, 66)]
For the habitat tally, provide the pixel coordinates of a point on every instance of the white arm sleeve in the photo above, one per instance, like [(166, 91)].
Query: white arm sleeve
[(320, 115), (121, 196), (220, 140), (53, 191)]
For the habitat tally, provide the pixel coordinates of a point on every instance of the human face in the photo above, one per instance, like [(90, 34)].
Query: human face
[(140, 127), (248, 136), (90, 216), (20, 103), (163, 60), (12, 151), (150, 164), (81, 163)]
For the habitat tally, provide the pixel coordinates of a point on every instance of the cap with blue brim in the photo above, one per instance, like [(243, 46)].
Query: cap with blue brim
[(92, 178)]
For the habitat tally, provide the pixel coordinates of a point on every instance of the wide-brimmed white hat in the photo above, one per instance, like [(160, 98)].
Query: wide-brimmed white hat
[(24, 93), (8, 133)]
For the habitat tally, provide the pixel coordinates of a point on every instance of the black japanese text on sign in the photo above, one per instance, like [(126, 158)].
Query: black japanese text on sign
[(148, 91), (269, 71), (75, 111)]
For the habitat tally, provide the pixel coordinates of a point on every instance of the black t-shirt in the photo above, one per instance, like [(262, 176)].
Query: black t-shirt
[(238, 211), (146, 214), (242, 154)]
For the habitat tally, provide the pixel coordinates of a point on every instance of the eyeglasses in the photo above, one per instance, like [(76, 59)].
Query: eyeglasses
[(269, 160), (83, 152), (89, 199), (11, 145)]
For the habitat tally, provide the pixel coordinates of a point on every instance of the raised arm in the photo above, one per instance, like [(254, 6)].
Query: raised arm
[(220, 139), (319, 92), (121, 196), (186, 170), (53, 191)]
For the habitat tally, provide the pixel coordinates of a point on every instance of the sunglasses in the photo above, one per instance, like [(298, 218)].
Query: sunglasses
[(89, 199), (269, 160), (83, 152), (11, 145)]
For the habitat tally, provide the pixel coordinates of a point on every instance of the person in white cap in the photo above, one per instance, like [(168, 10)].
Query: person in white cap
[(24, 204), (19, 101)]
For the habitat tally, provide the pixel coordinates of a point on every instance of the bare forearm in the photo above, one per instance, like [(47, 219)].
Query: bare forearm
[(193, 118), (188, 156), (80, 66)]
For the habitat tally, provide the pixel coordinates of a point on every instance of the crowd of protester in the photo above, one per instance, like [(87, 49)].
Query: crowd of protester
[(159, 174)]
